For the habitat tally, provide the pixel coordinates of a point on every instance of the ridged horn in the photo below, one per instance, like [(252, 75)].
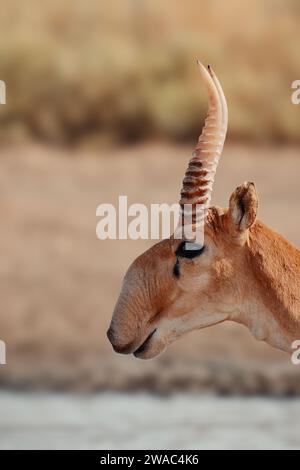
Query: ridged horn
[(199, 176)]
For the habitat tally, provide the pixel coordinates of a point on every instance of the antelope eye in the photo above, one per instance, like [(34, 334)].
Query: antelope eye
[(188, 249)]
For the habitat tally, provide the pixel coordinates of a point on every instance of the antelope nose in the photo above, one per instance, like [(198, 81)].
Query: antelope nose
[(119, 348)]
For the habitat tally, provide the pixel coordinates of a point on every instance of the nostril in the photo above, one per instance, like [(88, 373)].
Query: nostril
[(110, 334), (118, 347)]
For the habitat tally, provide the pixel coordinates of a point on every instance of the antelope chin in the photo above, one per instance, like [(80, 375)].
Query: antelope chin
[(151, 347)]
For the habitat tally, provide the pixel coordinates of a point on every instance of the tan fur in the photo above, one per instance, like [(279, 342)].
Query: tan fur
[(275, 264)]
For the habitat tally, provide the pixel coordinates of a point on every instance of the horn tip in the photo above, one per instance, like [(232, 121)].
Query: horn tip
[(211, 72), (203, 68), (199, 63)]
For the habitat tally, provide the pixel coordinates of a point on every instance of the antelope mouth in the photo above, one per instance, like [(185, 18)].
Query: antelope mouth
[(142, 348)]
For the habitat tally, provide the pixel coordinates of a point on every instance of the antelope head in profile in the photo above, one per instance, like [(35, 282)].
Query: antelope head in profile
[(241, 271)]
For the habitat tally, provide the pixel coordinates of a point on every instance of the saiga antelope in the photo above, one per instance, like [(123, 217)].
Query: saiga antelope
[(244, 271)]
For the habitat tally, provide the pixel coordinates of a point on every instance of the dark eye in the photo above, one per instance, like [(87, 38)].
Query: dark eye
[(188, 249)]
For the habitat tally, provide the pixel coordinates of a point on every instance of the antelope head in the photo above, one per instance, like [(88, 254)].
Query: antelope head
[(178, 285)]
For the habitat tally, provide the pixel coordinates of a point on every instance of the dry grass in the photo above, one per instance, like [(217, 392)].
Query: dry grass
[(125, 70), (58, 283)]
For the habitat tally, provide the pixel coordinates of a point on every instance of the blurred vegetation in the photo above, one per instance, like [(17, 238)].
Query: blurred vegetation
[(125, 70)]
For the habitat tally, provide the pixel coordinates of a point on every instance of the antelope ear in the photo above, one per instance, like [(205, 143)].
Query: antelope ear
[(243, 205)]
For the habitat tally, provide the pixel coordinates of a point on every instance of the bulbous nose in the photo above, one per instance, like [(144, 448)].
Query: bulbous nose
[(116, 344)]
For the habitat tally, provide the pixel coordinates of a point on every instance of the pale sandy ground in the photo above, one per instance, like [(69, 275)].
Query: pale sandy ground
[(120, 421), (59, 283)]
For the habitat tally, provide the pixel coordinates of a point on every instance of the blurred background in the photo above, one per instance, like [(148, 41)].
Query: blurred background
[(104, 99)]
